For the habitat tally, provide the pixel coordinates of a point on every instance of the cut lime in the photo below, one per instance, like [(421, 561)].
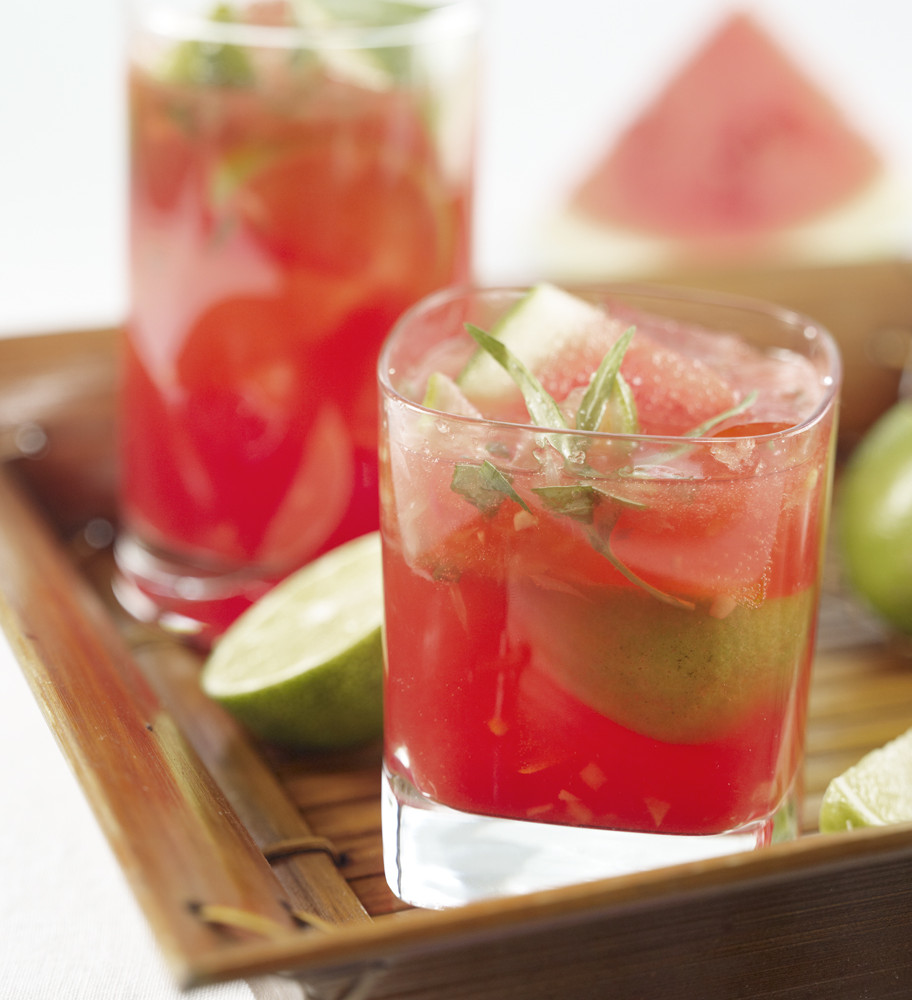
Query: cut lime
[(303, 667), (547, 323), (877, 791)]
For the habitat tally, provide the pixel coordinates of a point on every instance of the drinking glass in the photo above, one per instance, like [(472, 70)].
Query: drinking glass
[(299, 175), (598, 645)]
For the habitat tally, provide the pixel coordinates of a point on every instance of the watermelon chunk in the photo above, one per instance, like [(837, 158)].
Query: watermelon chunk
[(562, 339), (740, 142)]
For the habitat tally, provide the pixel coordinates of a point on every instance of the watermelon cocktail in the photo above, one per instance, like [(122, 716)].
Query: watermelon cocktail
[(602, 520), (294, 186)]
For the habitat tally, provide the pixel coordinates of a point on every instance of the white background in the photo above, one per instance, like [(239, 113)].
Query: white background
[(560, 78)]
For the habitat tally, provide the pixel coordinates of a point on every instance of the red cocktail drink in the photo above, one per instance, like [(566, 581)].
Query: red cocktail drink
[(292, 192), (608, 626)]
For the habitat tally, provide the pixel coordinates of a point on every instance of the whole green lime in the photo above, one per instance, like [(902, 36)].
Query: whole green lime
[(874, 517)]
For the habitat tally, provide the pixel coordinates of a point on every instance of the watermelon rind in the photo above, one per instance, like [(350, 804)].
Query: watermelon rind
[(537, 329)]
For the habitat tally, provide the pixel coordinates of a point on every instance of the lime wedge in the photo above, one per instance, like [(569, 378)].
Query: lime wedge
[(303, 667), (541, 326), (877, 791)]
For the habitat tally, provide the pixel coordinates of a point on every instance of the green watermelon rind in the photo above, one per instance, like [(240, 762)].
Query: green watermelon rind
[(537, 329)]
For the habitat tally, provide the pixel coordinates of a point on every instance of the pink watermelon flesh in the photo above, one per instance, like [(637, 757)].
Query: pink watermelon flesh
[(673, 394), (740, 142)]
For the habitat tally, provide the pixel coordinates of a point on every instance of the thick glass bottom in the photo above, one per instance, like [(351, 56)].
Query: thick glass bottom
[(436, 857), (193, 602)]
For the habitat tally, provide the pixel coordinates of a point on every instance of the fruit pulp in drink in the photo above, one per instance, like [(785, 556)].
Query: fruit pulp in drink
[(643, 668), (279, 225)]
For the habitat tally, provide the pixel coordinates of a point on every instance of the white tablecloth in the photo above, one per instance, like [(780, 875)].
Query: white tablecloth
[(69, 924)]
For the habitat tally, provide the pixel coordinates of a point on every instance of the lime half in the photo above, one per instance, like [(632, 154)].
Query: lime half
[(303, 667), (877, 791)]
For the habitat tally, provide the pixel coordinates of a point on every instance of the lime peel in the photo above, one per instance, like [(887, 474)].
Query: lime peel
[(303, 666), (877, 791), (874, 518)]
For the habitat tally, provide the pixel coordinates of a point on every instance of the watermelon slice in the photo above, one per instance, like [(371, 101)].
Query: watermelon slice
[(562, 339), (740, 143)]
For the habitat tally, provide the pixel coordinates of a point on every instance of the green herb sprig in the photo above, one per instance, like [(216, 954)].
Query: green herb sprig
[(608, 394)]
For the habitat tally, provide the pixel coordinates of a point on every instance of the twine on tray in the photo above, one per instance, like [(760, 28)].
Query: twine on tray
[(304, 844), (237, 919)]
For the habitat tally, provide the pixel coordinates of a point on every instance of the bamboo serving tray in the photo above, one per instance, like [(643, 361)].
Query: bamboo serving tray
[(246, 860)]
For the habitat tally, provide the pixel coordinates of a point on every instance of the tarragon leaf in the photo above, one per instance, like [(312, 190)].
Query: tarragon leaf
[(484, 485), (603, 544), (608, 385), (543, 410), (580, 500), (703, 429), (697, 432), (541, 406)]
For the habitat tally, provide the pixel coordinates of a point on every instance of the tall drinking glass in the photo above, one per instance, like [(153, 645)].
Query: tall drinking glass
[(300, 174), (598, 642)]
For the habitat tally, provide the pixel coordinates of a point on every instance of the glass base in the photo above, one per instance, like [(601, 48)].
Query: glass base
[(436, 857), (194, 603)]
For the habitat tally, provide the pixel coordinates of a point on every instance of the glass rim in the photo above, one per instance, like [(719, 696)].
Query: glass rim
[(443, 19), (813, 330)]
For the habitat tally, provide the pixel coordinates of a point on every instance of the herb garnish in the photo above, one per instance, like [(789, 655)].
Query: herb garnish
[(485, 486), (607, 404), (608, 386)]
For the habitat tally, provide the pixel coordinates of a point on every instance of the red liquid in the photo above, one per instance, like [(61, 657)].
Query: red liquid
[(274, 242), (479, 697), (529, 678)]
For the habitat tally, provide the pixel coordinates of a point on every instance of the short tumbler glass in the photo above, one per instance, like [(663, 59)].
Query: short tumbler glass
[(299, 175), (598, 645)]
